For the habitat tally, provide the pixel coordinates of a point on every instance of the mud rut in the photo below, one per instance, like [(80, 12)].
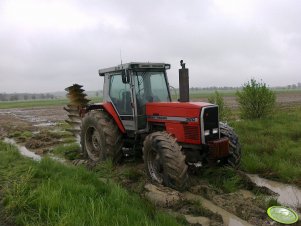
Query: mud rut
[(202, 204)]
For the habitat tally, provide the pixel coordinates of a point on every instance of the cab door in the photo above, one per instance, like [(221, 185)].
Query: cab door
[(120, 95)]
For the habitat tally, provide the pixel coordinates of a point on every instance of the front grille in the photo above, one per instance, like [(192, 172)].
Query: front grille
[(191, 132), (210, 122)]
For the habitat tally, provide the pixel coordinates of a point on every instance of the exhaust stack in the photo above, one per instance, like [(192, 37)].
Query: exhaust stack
[(183, 83)]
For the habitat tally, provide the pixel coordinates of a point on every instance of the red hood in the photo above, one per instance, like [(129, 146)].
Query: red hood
[(175, 109)]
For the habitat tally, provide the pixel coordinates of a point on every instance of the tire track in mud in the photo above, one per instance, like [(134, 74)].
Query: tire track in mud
[(228, 218)]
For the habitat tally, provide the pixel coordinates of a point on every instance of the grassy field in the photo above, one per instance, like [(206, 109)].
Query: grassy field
[(49, 193), (272, 146), (39, 103), (32, 103), (194, 95)]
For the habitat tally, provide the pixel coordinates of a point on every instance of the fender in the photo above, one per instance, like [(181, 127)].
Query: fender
[(108, 107)]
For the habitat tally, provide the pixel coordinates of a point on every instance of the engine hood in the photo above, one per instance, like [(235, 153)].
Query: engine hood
[(188, 110)]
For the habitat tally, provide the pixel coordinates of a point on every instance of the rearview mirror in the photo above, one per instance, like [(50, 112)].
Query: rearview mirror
[(125, 76)]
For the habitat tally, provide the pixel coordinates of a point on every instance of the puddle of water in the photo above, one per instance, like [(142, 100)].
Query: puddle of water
[(56, 158), (45, 124), (289, 195), (23, 150)]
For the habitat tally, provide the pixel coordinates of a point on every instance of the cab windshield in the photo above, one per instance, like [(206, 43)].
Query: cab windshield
[(151, 86)]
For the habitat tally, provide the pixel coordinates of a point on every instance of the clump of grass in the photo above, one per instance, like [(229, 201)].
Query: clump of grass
[(272, 202), (70, 151), (224, 178), (20, 136), (232, 184), (69, 140), (50, 193), (105, 169)]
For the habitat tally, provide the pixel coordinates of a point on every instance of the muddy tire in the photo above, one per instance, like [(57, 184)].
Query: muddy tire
[(100, 137), (233, 159), (164, 160)]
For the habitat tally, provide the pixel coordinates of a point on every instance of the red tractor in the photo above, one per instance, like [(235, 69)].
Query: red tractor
[(137, 114)]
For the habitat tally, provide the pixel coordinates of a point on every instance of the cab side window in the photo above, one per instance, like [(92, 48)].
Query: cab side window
[(120, 95)]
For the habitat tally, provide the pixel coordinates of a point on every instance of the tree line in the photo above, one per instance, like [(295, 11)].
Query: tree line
[(25, 96)]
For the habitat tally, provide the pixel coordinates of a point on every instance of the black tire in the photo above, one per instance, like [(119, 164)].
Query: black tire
[(100, 137), (233, 159), (164, 160)]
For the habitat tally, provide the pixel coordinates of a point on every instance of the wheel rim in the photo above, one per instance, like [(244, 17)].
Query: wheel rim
[(155, 166), (92, 143)]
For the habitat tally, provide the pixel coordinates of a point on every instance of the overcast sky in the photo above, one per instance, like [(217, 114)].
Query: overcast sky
[(48, 45)]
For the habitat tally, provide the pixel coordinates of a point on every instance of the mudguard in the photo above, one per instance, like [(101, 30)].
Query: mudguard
[(108, 107)]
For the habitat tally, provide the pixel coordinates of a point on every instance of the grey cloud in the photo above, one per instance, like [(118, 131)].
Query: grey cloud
[(220, 49)]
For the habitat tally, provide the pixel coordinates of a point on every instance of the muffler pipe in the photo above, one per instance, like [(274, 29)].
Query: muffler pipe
[(183, 83)]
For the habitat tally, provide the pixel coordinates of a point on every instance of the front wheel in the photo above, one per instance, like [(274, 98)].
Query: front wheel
[(164, 160), (233, 159)]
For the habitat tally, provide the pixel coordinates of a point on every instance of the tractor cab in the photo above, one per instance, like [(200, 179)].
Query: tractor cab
[(130, 86)]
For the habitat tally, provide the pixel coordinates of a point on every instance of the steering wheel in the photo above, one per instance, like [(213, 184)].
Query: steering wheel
[(119, 94)]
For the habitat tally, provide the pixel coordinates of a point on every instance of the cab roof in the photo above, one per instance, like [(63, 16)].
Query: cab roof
[(134, 65)]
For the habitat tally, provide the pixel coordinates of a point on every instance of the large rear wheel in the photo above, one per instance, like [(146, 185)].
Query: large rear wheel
[(100, 137), (233, 159), (164, 160)]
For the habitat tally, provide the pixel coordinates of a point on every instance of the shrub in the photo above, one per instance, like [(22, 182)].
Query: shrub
[(256, 100), (217, 98)]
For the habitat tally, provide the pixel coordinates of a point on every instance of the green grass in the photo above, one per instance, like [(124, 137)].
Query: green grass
[(20, 136), (32, 103), (49, 193), (70, 151), (271, 146), (223, 178), (40, 103)]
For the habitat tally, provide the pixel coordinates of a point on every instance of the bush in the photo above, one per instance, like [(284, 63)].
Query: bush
[(217, 98), (256, 100)]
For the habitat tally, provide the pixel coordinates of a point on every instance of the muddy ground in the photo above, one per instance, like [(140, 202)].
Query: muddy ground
[(41, 129)]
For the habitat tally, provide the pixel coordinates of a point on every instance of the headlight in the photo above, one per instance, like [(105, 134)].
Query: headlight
[(214, 131), (207, 132)]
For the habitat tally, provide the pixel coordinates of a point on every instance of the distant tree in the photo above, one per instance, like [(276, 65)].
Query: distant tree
[(2, 97), (25, 96), (217, 98), (255, 100), (13, 97), (48, 96)]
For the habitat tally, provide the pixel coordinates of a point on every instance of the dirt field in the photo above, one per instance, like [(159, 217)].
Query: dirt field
[(38, 129)]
